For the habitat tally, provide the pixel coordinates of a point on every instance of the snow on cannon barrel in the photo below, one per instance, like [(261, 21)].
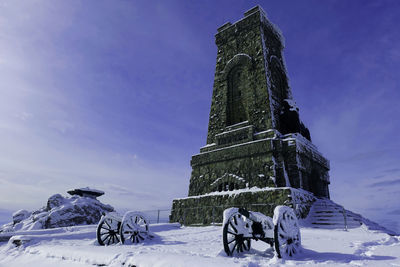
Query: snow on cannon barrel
[(241, 226), (112, 228)]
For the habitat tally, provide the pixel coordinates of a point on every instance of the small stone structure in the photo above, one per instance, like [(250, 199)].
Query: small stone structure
[(86, 192), (258, 152)]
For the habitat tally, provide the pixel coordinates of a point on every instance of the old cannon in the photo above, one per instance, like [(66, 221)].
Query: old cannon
[(131, 228), (241, 226)]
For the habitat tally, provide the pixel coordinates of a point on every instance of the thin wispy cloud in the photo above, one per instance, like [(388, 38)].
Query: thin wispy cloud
[(386, 183), (395, 212), (395, 170)]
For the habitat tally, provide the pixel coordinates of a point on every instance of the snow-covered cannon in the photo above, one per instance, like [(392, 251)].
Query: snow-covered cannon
[(113, 228), (240, 226)]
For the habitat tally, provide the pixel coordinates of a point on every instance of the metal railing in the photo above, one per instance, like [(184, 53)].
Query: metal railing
[(344, 217), (157, 216)]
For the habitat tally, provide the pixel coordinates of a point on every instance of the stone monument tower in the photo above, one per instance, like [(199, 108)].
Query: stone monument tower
[(258, 153)]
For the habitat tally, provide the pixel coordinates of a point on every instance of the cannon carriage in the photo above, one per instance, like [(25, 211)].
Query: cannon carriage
[(131, 228), (282, 231), (240, 227)]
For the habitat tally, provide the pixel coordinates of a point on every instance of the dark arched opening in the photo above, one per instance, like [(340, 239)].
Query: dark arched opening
[(236, 111), (279, 82)]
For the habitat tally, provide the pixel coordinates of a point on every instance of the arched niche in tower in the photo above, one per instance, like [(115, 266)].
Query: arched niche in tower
[(278, 78), (236, 74), (236, 111)]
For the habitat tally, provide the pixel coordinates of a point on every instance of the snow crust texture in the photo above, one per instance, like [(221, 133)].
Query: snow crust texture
[(59, 212), (177, 246)]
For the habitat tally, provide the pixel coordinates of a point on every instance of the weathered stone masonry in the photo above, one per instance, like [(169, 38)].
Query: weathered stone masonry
[(255, 137)]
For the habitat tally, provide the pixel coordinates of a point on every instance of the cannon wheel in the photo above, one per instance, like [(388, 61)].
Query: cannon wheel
[(286, 232), (108, 231), (233, 236), (134, 228)]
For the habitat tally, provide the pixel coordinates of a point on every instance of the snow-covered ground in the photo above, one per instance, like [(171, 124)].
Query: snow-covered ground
[(173, 245)]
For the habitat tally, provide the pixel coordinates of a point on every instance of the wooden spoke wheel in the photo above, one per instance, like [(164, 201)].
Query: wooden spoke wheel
[(235, 234), (134, 228), (286, 232), (108, 231)]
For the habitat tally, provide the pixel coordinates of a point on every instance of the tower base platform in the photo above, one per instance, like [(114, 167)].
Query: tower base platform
[(207, 209)]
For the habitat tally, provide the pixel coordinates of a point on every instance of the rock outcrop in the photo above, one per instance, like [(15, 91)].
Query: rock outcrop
[(59, 212)]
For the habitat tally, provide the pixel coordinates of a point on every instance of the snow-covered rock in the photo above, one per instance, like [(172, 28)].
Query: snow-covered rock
[(55, 201), (59, 212), (20, 215)]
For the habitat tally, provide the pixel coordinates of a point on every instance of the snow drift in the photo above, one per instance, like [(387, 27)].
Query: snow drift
[(177, 246)]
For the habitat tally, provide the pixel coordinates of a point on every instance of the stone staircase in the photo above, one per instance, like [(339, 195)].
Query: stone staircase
[(327, 214)]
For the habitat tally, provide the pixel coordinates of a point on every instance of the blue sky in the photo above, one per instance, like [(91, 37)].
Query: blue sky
[(116, 95)]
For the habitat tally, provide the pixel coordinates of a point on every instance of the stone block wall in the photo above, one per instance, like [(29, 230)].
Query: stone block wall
[(275, 161), (305, 165), (244, 166), (207, 209)]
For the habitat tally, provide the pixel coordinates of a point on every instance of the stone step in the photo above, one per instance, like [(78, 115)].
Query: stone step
[(325, 207), (331, 210), (328, 206), (336, 222), (338, 219), (328, 211), (329, 215), (333, 215), (339, 225), (326, 223), (324, 211)]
